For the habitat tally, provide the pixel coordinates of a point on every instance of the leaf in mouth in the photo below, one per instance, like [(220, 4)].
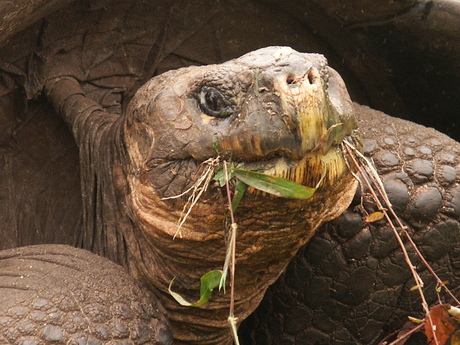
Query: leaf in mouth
[(274, 185)]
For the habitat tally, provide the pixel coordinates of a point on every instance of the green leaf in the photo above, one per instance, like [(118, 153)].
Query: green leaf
[(215, 143), (240, 189), (274, 185), (256, 82), (219, 176), (415, 320), (209, 281), (454, 311), (228, 256), (333, 134)]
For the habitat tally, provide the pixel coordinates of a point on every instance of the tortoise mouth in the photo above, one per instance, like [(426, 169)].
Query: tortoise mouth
[(315, 170), (312, 170), (320, 168)]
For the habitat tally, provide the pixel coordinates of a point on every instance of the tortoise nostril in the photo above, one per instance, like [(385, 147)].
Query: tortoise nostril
[(291, 80), (312, 76)]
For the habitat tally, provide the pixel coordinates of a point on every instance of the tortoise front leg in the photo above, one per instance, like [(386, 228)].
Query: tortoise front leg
[(97, 134), (86, 118)]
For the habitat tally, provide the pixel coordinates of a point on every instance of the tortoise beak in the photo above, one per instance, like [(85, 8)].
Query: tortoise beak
[(303, 114), (287, 114), (307, 112)]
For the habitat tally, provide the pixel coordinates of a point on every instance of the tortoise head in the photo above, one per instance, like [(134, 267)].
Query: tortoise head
[(274, 110)]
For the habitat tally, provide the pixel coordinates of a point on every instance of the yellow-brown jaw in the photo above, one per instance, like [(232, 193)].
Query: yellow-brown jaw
[(316, 115), (321, 130)]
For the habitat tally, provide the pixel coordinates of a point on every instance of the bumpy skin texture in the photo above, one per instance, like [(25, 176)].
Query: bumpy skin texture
[(350, 284), (56, 294)]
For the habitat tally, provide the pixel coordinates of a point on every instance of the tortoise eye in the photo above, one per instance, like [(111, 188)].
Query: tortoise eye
[(212, 103)]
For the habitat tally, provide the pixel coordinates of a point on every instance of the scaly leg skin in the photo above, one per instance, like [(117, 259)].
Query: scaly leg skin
[(97, 135), (63, 295)]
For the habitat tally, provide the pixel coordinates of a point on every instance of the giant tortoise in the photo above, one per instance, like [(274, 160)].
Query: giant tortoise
[(94, 155)]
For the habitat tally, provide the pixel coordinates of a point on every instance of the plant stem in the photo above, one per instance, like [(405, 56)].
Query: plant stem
[(233, 228)]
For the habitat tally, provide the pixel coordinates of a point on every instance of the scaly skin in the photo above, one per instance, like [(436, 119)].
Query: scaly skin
[(112, 47), (56, 294), (350, 284)]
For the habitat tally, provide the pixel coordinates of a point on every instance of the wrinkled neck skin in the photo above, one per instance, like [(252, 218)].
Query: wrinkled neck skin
[(270, 231)]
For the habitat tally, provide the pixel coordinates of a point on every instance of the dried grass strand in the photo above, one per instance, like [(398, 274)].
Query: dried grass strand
[(197, 190)]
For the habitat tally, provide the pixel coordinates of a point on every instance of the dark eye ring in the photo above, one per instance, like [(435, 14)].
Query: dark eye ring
[(212, 102)]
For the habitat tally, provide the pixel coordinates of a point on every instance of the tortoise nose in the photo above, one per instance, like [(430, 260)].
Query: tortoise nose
[(311, 77), (305, 80), (291, 78)]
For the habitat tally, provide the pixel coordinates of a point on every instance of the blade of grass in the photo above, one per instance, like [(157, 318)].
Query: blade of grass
[(197, 189), (228, 256), (232, 321), (231, 317), (274, 185), (240, 189), (381, 190)]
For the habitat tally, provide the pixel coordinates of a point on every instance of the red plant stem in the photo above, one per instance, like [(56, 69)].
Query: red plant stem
[(411, 241), (404, 336), (233, 229), (427, 265)]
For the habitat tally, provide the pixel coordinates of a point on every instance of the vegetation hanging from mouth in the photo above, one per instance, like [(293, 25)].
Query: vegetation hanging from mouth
[(222, 173), (213, 169)]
